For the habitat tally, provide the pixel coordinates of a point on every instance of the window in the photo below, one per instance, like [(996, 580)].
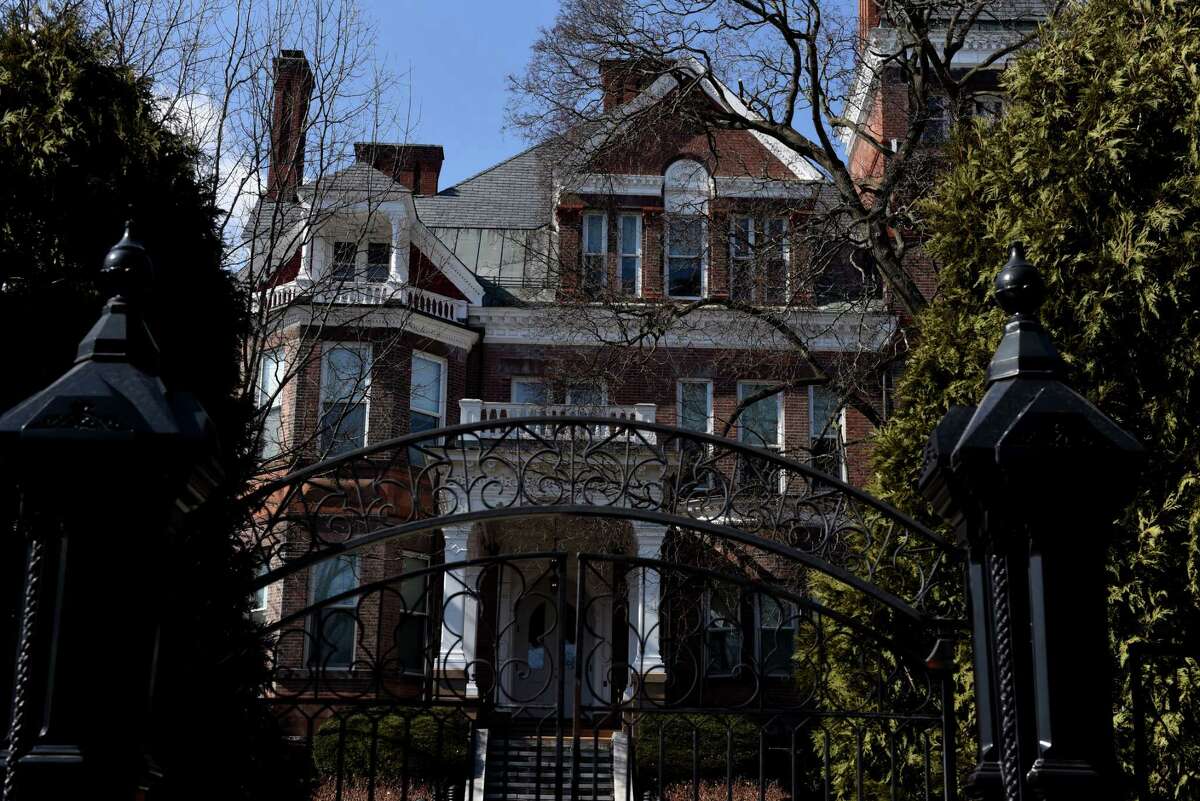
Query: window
[(759, 423), (529, 390), (630, 232), (258, 599), (695, 413), (586, 395), (741, 260), (379, 258), (722, 632), (776, 636), (775, 254), (270, 399), (825, 431), (332, 628), (345, 384), (595, 246), (685, 257), (344, 256), (412, 629), (427, 393), (937, 120)]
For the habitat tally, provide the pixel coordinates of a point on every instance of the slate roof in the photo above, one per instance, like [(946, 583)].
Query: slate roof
[(512, 194), (358, 178)]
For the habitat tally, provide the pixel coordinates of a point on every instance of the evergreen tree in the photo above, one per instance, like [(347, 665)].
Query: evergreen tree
[(82, 146), (1096, 167)]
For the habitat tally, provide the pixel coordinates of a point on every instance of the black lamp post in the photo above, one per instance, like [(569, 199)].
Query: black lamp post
[(104, 460), (1032, 478)]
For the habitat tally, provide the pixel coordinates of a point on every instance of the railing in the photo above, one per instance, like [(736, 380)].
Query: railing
[(476, 411), (369, 294)]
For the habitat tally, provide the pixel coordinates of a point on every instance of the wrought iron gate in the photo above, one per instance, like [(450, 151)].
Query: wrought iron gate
[(772, 641)]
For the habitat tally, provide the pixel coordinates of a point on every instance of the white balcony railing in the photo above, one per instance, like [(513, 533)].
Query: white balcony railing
[(475, 411), (369, 294)]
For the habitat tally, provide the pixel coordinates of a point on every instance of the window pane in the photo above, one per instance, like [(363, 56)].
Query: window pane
[(332, 644), (684, 279), (723, 638), (742, 227), (629, 268), (346, 372), (410, 643), (686, 236), (272, 439), (343, 260), (413, 590), (426, 394), (343, 427), (824, 413), (760, 420), (694, 411), (379, 255), (593, 233), (273, 372), (630, 236), (529, 392), (585, 396), (333, 577)]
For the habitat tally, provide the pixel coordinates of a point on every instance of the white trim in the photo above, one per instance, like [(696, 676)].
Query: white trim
[(443, 366), (779, 426), (298, 317), (369, 360), (622, 255)]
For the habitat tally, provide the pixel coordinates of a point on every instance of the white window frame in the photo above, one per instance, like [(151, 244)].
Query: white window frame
[(349, 603), (602, 254), (778, 396), (274, 402), (522, 380), (369, 360), (420, 354), (667, 255), (785, 255), (839, 434), (636, 254)]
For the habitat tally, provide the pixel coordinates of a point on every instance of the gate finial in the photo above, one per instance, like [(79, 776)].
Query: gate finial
[(1026, 349)]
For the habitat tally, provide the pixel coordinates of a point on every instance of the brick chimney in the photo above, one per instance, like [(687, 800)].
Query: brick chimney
[(622, 79), (414, 166), (289, 115)]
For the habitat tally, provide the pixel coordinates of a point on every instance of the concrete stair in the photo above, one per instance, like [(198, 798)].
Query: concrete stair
[(524, 769)]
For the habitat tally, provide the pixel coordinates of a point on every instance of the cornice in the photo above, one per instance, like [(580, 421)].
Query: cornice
[(403, 320)]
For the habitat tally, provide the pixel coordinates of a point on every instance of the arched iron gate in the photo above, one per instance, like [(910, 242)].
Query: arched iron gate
[(599, 608)]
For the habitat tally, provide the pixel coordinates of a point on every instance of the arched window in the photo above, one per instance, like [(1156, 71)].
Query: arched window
[(687, 189)]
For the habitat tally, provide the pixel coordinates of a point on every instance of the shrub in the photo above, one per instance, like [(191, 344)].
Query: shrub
[(430, 746), (743, 790)]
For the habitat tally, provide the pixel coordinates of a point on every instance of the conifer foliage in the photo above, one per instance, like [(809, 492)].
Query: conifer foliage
[(83, 146), (1096, 167)]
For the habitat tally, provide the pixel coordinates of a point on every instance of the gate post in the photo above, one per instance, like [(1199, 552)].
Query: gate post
[(1032, 479), (103, 460)]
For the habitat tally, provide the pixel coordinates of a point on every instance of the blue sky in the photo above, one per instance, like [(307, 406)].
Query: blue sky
[(458, 54)]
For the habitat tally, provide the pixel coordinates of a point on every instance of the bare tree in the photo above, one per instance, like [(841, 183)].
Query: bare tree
[(613, 80)]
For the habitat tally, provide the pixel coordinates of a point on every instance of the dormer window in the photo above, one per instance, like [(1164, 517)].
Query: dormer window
[(348, 262), (379, 256), (344, 256)]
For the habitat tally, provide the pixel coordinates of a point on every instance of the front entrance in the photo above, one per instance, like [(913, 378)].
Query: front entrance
[(538, 641)]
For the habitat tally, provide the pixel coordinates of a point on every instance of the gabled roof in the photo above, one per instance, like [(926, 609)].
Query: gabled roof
[(516, 193)]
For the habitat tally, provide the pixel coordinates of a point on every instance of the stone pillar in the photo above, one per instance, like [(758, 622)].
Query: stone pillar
[(459, 614), (646, 668)]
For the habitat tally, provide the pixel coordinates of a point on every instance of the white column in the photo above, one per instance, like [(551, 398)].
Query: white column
[(645, 654), (305, 276), (460, 609), (398, 265)]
